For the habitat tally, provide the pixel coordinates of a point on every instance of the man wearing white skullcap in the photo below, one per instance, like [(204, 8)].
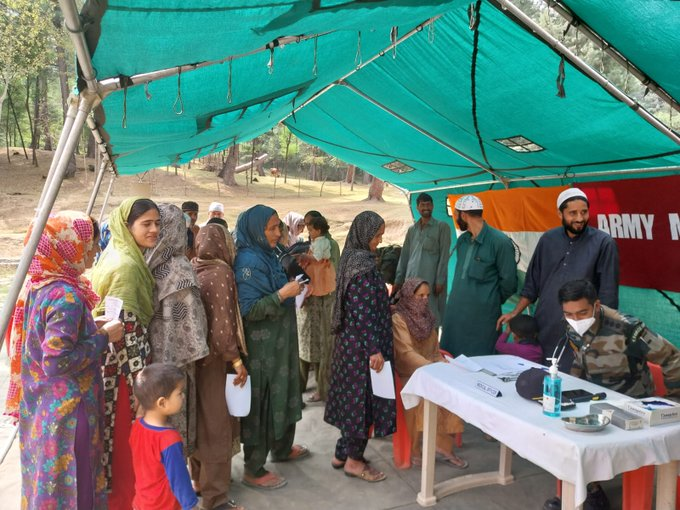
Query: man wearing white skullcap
[(215, 210), (571, 252), (486, 275)]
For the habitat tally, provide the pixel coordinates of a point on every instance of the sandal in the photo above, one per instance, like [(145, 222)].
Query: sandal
[(339, 464), (231, 504), (369, 475), (297, 452), (270, 481), (455, 461)]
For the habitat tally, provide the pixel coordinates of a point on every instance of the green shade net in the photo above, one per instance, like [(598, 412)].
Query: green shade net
[(647, 33)]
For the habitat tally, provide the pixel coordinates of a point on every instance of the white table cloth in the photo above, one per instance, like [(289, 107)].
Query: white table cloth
[(574, 457)]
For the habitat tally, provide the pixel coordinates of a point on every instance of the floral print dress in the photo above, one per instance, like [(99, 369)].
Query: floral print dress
[(62, 388)]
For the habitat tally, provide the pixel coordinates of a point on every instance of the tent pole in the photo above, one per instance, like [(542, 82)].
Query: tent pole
[(95, 188), (42, 213), (576, 61), (68, 124), (76, 33), (106, 198), (603, 173), (422, 131)]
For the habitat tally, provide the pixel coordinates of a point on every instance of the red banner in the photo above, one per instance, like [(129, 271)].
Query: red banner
[(643, 216)]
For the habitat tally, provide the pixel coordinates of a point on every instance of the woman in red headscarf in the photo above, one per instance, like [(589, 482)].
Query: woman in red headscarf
[(58, 348)]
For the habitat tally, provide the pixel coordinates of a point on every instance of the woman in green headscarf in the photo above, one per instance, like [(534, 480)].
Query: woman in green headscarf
[(122, 272)]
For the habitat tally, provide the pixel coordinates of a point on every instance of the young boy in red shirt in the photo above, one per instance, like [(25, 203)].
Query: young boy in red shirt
[(161, 476)]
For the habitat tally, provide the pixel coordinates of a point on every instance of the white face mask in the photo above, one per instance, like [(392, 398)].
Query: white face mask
[(583, 325)]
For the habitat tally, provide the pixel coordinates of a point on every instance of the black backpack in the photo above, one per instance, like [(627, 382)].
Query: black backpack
[(387, 261)]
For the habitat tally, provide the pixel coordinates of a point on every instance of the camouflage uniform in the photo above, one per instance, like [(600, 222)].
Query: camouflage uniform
[(614, 353)]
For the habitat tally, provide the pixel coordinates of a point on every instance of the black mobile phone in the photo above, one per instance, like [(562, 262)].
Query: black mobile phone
[(577, 395)]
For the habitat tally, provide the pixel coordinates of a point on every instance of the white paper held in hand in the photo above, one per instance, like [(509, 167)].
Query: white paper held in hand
[(112, 308), (300, 298), (383, 382), (238, 398)]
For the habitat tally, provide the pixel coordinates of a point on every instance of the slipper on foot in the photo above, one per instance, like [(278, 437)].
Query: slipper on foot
[(339, 464), (455, 461), (369, 475), (270, 481), (297, 452)]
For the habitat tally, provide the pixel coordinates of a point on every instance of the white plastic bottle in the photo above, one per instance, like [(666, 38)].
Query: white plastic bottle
[(552, 391)]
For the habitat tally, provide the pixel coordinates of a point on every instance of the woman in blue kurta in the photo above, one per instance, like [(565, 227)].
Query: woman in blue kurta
[(363, 325), (60, 424), (265, 297)]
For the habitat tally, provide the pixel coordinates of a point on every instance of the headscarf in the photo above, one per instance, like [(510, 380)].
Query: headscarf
[(292, 220), (122, 271), (60, 256), (258, 271), (416, 313), (214, 261), (173, 273), (356, 259)]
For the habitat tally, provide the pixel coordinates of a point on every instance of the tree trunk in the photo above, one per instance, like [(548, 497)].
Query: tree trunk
[(44, 114), (228, 173), (16, 122), (349, 176), (367, 178), (61, 64), (91, 145), (375, 192), (285, 159), (35, 139)]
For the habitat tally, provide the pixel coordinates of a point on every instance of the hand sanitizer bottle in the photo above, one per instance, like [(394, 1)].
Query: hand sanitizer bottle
[(552, 391)]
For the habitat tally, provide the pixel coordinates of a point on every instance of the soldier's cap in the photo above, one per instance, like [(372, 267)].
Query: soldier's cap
[(570, 193), (469, 203), (529, 384)]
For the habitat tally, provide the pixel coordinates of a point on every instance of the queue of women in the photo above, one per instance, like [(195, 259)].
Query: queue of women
[(231, 309)]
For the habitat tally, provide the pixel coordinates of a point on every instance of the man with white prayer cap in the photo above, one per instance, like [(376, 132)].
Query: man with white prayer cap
[(216, 210), (485, 277), (573, 251)]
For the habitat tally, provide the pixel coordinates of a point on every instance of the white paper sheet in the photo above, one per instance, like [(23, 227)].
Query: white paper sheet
[(383, 382), (238, 399), (112, 308), (503, 364), (464, 362), (300, 298)]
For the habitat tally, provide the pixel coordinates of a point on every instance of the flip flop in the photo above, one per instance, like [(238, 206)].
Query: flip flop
[(297, 452), (230, 504), (369, 475), (341, 463), (455, 461), (270, 481)]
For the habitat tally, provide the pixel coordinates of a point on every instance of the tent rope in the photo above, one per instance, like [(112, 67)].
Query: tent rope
[(357, 58), (270, 64), (430, 33), (178, 99), (473, 13), (125, 82), (560, 79), (315, 67), (229, 96), (670, 299), (146, 91), (394, 35)]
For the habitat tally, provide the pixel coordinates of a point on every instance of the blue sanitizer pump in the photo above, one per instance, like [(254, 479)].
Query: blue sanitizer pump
[(552, 391)]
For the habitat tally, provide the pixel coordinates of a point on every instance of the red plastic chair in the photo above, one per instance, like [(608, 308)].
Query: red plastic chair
[(638, 485)]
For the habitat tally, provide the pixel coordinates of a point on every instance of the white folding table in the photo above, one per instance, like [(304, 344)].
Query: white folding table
[(576, 458)]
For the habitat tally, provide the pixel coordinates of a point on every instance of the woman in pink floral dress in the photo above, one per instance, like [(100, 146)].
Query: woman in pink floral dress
[(60, 426)]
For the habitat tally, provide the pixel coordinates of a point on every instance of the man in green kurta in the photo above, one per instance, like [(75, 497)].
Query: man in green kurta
[(425, 255), (486, 275)]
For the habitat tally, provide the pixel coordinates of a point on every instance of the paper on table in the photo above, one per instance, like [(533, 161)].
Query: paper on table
[(238, 399), (112, 308), (503, 365), (383, 382), (300, 298), (464, 362)]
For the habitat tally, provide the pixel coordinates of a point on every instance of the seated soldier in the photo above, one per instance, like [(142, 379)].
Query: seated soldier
[(612, 349)]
